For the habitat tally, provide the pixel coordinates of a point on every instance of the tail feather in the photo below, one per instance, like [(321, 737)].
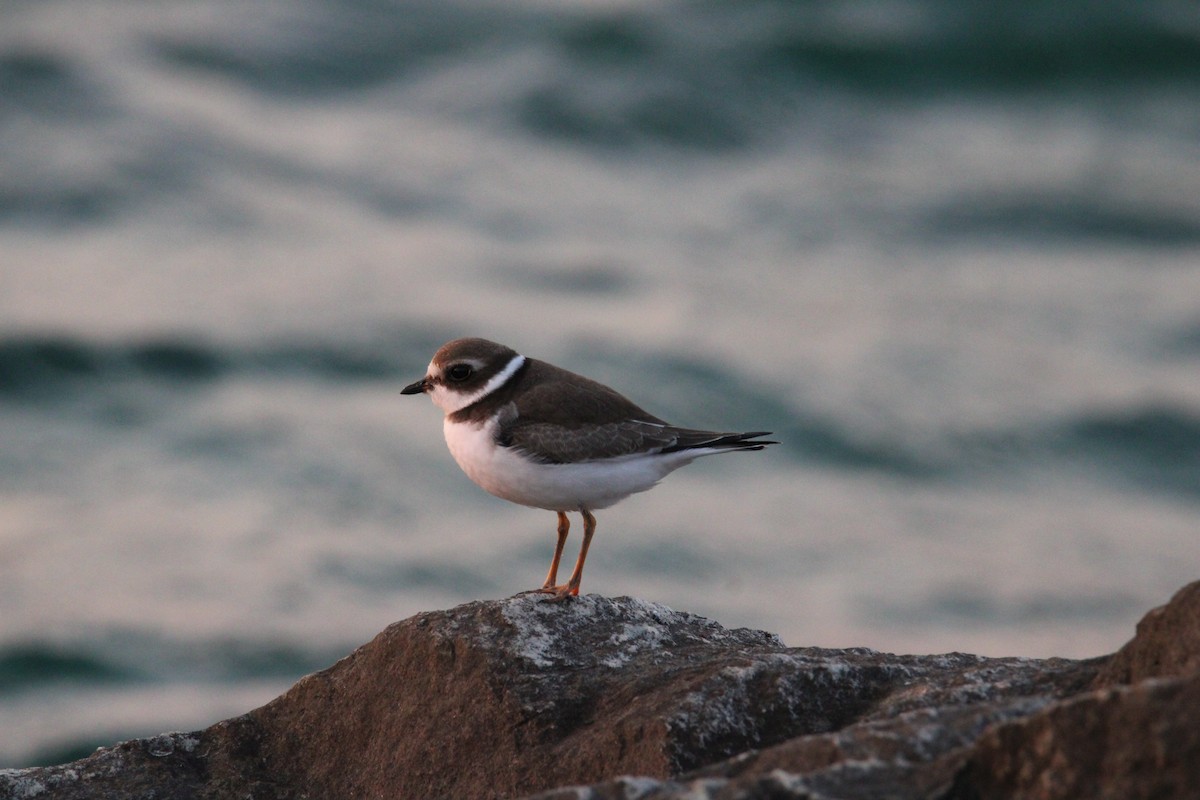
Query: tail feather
[(712, 440)]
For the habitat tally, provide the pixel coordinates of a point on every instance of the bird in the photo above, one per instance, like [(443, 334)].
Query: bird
[(544, 437)]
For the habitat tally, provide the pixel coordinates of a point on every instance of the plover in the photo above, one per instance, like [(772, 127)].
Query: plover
[(532, 433)]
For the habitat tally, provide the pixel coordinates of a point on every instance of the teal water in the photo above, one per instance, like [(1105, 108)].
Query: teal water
[(948, 252)]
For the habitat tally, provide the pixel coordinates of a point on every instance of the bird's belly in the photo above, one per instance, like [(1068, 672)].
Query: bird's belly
[(503, 472)]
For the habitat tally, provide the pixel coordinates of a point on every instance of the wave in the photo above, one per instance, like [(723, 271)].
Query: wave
[(1068, 216), (42, 366), (340, 47), (697, 72), (720, 74), (1152, 446), (34, 665), (698, 77), (716, 48), (129, 658)]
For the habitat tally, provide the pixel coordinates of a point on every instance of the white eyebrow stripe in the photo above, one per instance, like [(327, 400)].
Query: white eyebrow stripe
[(499, 379)]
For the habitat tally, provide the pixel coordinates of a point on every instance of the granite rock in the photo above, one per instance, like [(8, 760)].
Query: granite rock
[(620, 698)]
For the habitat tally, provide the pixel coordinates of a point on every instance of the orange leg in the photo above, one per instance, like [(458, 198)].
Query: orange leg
[(564, 525), (572, 587)]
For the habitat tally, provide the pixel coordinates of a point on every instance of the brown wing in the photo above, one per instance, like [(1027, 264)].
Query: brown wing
[(566, 417), (551, 443)]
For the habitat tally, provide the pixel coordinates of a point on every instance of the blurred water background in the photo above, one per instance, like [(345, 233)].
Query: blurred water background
[(948, 251)]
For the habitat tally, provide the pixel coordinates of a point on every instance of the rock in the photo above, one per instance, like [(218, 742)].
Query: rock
[(1167, 643), (1128, 742), (620, 698)]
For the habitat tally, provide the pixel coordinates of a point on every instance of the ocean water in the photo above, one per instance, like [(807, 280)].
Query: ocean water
[(948, 251)]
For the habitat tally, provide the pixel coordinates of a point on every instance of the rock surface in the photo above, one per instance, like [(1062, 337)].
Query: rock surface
[(619, 698), (1167, 643)]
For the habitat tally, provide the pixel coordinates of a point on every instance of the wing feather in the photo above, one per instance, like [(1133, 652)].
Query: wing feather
[(566, 417)]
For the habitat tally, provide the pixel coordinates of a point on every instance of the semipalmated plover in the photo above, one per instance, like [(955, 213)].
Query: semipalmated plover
[(541, 436)]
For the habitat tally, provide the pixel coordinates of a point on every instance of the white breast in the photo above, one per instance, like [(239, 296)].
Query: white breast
[(556, 487)]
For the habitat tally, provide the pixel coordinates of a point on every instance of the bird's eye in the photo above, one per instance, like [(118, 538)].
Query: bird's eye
[(460, 372)]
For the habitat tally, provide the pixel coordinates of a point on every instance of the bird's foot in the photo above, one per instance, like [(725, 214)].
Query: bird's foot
[(559, 593)]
